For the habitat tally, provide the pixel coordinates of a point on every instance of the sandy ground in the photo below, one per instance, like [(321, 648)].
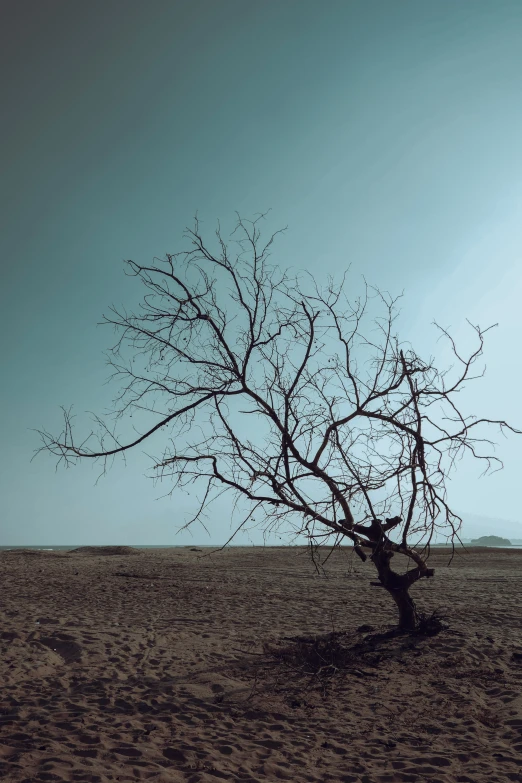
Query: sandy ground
[(147, 667)]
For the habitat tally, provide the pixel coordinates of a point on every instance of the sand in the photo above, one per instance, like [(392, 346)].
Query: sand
[(150, 666)]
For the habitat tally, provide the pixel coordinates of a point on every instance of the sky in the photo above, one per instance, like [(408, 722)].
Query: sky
[(384, 133)]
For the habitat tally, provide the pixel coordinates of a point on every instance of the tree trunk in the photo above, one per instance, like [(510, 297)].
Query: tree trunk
[(398, 585), (406, 607)]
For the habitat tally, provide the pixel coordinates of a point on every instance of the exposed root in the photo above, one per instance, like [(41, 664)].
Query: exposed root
[(429, 625), (322, 657)]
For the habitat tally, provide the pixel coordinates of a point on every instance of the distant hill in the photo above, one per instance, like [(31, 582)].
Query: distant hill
[(490, 541), (475, 526)]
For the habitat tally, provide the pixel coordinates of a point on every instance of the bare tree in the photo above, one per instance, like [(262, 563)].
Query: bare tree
[(276, 389)]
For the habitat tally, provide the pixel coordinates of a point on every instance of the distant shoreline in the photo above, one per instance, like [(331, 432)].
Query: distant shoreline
[(62, 548)]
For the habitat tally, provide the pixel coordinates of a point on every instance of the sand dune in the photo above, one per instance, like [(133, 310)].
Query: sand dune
[(104, 551), (130, 668)]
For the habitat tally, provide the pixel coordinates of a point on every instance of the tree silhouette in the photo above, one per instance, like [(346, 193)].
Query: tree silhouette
[(347, 424)]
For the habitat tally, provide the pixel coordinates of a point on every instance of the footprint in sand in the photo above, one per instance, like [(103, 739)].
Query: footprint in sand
[(89, 753), (68, 649), (173, 754), (128, 751)]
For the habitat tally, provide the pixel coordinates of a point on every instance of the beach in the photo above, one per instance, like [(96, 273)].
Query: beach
[(159, 665)]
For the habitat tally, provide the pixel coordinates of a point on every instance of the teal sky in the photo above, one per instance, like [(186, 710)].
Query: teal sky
[(386, 135)]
